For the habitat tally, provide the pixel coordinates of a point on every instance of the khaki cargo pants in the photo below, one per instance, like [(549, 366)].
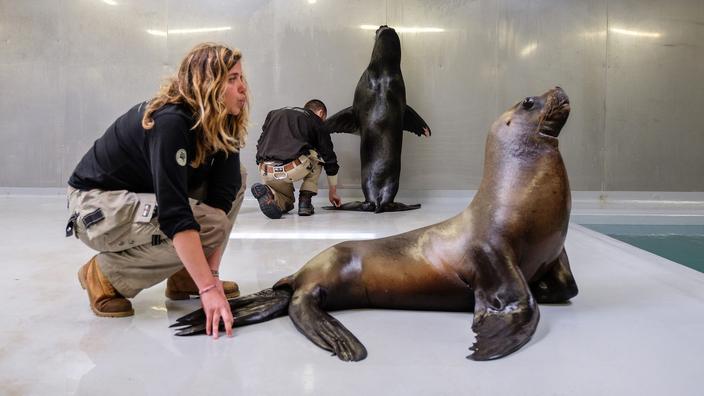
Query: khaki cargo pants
[(282, 184), (134, 253)]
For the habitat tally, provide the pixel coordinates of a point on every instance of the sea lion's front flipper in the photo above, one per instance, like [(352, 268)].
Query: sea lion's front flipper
[(246, 310), (414, 123), (356, 206), (505, 313), (557, 285), (321, 328), (343, 121)]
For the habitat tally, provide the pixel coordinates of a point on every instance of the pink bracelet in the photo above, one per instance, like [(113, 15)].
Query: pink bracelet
[(206, 289)]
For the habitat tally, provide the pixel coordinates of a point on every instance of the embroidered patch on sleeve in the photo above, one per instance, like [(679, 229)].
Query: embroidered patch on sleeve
[(181, 157)]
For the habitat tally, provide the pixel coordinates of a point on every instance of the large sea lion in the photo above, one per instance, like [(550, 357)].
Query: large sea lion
[(379, 114), (500, 257)]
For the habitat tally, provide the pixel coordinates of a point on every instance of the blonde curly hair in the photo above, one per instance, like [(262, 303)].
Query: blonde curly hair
[(200, 84)]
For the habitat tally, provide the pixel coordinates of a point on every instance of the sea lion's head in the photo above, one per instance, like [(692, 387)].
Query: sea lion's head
[(387, 46), (536, 118), (385, 28)]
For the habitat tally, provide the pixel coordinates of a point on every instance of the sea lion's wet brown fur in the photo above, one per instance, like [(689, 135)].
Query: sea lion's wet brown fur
[(498, 257)]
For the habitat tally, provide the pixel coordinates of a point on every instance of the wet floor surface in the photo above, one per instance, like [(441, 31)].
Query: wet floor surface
[(634, 328)]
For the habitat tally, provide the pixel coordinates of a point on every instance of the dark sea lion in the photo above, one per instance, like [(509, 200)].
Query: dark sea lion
[(379, 114), (500, 257)]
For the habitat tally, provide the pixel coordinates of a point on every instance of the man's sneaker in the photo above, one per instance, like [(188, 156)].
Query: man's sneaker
[(266, 201)]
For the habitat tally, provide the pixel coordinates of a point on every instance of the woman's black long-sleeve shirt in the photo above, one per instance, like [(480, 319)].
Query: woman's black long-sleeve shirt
[(128, 157)]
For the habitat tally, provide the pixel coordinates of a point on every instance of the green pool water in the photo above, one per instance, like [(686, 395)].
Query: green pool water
[(683, 244)]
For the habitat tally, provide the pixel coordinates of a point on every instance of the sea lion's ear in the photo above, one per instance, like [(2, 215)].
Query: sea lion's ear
[(508, 122)]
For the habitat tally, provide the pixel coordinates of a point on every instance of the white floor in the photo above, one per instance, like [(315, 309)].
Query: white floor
[(636, 328)]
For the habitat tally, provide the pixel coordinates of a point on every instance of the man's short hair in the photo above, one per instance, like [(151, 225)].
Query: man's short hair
[(315, 105)]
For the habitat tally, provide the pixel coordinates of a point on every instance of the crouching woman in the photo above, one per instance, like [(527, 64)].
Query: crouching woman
[(158, 193)]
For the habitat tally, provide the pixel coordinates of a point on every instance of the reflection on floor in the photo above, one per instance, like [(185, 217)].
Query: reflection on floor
[(635, 328)]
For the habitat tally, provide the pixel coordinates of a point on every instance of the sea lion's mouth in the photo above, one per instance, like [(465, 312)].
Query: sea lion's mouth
[(555, 113)]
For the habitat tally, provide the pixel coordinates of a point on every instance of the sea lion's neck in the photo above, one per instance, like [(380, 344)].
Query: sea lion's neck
[(520, 152), (514, 165), (385, 56), (381, 66)]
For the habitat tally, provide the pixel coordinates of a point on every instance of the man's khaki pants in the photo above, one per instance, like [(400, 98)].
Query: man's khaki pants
[(282, 184), (134, 253)]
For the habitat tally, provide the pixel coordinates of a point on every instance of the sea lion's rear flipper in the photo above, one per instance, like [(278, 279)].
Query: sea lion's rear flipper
[(396, 207), (322, 329), (505, 313), (343, 121), (246, 310), (414, 123), (557, 285), (356, 206)]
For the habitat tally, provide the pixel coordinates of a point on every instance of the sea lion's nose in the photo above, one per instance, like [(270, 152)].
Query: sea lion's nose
[(560, 93)]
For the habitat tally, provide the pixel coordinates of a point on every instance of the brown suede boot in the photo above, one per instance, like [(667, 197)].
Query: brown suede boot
[(104, 299), (180, 286)]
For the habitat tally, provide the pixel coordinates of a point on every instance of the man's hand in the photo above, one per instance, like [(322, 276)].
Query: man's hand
[(333, 197)]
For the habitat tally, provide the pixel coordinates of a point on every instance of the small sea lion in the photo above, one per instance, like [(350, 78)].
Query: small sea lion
[(379, 115)]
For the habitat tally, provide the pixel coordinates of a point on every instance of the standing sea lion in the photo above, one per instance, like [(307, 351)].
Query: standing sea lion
[(500, 257), (379, 114)]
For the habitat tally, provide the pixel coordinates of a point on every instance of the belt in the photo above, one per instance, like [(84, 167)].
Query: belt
[(280, 168)]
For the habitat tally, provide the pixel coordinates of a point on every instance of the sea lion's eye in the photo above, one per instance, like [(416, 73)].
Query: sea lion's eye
[(527, 103)]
